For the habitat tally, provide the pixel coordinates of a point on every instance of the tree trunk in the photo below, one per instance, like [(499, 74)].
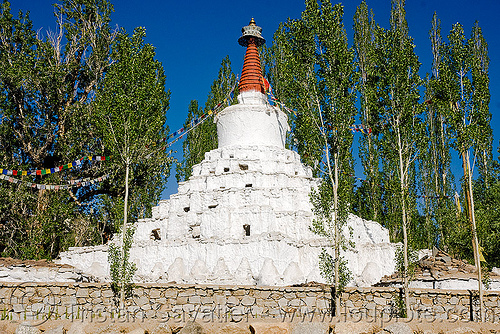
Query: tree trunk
[(402, 179), (337, 234), (124, 229), (333, 175), (373, 186), (472, 218)]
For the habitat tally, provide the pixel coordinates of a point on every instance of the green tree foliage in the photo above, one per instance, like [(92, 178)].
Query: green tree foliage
[(45, 86), (48, 118), (197, 142), (121, 269), (410, 145), (462, 90), (479, 65), (488, 213), (367, 43), (290, 68), (203, 138), (436, 179), (129, 118)]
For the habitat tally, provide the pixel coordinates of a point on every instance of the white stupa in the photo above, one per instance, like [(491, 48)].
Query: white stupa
[(243, 217)]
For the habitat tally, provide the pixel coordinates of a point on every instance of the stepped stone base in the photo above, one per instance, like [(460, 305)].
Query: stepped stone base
[(242, 218)]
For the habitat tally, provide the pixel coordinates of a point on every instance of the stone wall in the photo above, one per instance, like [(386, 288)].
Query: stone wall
[(425, 304), (180, 303)]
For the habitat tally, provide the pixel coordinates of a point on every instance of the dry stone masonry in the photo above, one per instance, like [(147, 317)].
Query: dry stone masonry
[(225, 304)]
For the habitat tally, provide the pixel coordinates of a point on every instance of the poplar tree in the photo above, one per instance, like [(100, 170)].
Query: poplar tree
[(203, 137), (336, 69), (197, 142), (401, 115), (435, 156), (479, 66), (368, 62), (290, 67), (488, 213), (463, 90), (129, 118)]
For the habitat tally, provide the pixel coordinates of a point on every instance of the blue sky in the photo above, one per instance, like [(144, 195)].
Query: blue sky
[(192, 37)]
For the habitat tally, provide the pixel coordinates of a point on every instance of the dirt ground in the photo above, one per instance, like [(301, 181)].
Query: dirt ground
[(255, 327)]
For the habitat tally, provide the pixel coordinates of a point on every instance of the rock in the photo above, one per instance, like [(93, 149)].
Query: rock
[(233, 329), (248, 301), (158, 272), (267, 329), (311, 328), (199, 271), (26, 328), (8, 327), (221, 271), (56, 330), (96, 269), (192, 327), (462, 330), (69, 276), (161, 329), (76, 328), (398, 328), (136, 331), (109, 329), (314, 275), (354, 328), (446, 259)]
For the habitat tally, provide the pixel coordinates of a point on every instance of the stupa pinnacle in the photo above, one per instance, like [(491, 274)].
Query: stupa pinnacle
[(251, 76), (253, 121)]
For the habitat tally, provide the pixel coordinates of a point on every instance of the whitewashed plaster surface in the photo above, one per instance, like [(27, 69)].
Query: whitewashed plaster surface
[(250, 185)]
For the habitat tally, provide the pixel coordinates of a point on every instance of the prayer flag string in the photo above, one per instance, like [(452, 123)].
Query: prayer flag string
[(70, 183), (418, 196), (46, 171), (281, 105), (363, 180), (200, 119), (354, 128)]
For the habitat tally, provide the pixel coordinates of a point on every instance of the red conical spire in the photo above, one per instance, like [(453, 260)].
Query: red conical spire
[(251, 75)]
